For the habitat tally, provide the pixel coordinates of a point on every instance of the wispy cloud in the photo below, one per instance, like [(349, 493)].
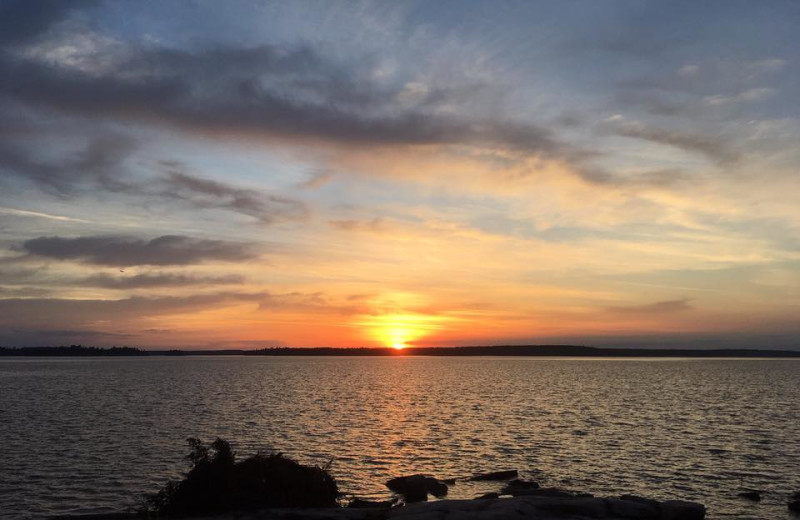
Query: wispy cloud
[(37, 214), (130, 251), (154, 280), (200, 193), (656, 308), (712, 147), (752, 94)]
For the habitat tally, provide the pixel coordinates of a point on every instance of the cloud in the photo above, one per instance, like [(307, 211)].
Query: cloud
[(44, 337), (37, 214), (376, 224), (65, 313), (295, 92), (23, 292), (174, 87), (657, 308), (24, 20), (128, 251), (146, 281), (201, 193), (713, 148), (752, 94), (75, 320), (98, 164)]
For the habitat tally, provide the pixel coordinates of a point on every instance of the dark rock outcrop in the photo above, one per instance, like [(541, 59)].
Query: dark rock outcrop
[(517, 508), (415, 488), (496, 475), (518, 487), (682, 510), (633, 509), (794, 502), (641, 500), (358, 503)]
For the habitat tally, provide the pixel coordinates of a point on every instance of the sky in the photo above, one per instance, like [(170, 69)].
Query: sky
[(248, 174)]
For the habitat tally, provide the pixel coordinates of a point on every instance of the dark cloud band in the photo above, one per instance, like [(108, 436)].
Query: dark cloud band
[(128, 251)]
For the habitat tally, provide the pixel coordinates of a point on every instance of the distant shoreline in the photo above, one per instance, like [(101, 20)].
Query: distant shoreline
[(500, 350)]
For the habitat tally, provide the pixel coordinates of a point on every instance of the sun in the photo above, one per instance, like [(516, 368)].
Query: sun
[(401, 331)]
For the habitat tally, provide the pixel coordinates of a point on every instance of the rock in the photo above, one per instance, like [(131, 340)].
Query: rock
[(681, 510), (531, 489), (358, 503), (635, 509), (415, 488), (487, 496), (641, 500), (496, 475), (518, 487), (750, 494), (571, 505), (794, 502)]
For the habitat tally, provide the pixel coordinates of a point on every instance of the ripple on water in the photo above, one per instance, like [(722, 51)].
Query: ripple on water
[(91, 435)]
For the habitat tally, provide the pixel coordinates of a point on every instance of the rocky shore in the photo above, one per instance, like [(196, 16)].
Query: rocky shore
[(528, 507), (270, 486)]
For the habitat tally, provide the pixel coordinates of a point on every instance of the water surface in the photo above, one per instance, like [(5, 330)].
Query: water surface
[(92, 435)]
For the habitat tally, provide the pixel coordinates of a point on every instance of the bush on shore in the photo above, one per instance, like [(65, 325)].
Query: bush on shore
[(217, 483)]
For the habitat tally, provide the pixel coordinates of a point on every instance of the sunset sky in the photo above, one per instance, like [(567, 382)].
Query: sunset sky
[(245, 174)]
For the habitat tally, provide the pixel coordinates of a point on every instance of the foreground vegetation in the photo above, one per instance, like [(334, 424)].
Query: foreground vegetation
[(217, 483)]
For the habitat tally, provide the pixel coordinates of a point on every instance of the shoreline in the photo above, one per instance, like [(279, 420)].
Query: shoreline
[(544, 506)]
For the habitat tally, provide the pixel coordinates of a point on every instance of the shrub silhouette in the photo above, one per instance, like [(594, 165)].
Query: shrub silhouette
[(217, 483)]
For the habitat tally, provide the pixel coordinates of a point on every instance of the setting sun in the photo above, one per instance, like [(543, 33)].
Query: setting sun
[(399, 330)]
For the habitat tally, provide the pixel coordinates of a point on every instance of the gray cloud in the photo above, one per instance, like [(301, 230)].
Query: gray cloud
[(144, 281), (23, 20), (62, 314), (23, 292), (175, 87), (713, 148), (178, 185), (77, 320), (662, 307), (266, 90), (43, 337), (98, 164), (129, 251)]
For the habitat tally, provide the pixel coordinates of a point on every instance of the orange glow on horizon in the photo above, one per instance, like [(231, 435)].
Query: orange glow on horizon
[(399, 331)]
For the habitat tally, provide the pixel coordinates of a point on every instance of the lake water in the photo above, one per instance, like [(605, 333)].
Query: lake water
[(86, 436)]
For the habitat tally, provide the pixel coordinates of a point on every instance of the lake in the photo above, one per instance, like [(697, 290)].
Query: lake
[(91, 435)]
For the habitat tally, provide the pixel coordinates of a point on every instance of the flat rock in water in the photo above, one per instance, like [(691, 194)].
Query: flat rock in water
[(496, 475), (415, 488), (519, 487)]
